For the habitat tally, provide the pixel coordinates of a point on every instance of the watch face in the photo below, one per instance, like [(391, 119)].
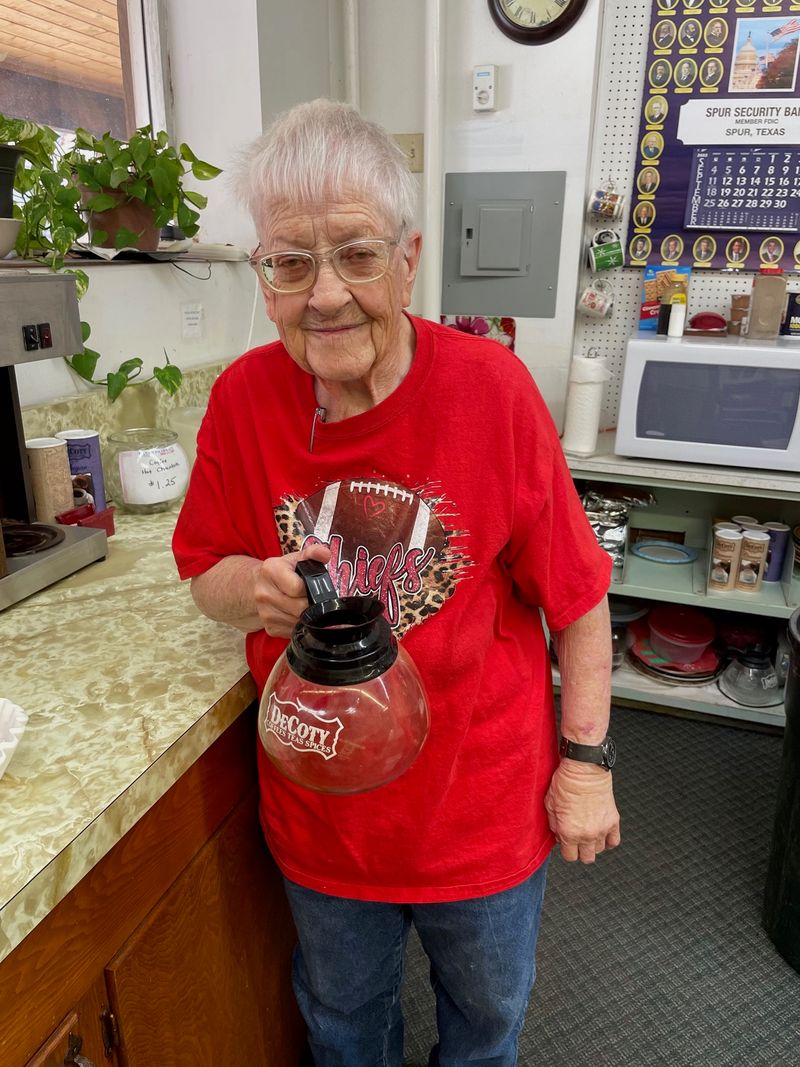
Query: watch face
[(610, 747), (535, 21)]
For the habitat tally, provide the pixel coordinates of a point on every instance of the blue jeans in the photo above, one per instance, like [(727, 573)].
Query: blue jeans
[(348, 970)]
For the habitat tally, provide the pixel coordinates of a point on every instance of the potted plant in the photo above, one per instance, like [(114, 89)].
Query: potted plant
[(50, 222), (132, 189), (58, 189)]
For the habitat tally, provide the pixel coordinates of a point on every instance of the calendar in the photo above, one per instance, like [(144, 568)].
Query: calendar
[(744, 189), (717, 180)]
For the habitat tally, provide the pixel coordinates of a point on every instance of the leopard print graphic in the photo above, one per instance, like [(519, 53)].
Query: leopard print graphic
[(438, 579)]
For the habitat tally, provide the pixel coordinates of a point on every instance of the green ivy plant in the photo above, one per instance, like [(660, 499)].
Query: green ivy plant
[(48, 199), (85, 363), (146, 168), (58, 189)]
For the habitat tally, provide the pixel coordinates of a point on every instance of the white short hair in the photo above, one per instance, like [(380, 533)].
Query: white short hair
[(325, 150)]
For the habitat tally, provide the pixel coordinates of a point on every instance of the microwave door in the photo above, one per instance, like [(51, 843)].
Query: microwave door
[(704, 412)]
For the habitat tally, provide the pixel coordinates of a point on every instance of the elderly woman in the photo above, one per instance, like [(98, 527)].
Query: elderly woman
[(421, 465)]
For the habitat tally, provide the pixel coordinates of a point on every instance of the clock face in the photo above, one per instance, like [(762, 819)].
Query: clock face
[(535, 21)]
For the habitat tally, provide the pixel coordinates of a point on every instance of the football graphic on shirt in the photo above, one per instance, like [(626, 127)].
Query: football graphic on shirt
[(386, 541)]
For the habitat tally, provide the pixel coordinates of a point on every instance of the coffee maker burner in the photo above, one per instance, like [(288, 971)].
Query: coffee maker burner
[(24, 539)]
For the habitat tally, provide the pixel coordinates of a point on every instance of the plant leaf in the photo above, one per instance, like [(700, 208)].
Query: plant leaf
[(86, 331), (205, 171), (83, 139), (195, 198), (125, 238), (131, 368), (115, 383), (118, 176), (62, 238), (101, 202), (84, 363), (99, 237), (170, 377), (137, 189), (81, 285)]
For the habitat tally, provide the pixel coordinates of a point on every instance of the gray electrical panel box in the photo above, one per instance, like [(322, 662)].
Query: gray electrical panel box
[(502, 240)]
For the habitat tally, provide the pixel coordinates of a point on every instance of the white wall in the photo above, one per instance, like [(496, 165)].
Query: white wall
[(138, 311), (221, 87), (216, 99), (542, 122)]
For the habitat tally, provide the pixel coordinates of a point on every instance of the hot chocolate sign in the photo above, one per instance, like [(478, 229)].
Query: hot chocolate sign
[(717, 183)]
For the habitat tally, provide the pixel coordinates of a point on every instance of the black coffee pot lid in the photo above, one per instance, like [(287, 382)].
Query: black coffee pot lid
[(339, 640)]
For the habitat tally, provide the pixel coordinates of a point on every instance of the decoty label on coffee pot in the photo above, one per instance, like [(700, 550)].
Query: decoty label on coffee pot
[(153, 475)]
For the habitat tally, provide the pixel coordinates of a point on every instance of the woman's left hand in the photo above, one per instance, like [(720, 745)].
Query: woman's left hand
[(581, 811)]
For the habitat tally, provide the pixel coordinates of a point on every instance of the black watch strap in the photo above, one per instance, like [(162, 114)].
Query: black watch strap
[(604, 755)]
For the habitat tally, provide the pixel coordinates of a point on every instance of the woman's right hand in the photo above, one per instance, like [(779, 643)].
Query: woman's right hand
[(280, 594)]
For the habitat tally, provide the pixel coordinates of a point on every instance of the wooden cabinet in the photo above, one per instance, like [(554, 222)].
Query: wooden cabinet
[(205, 975), (175, 948), (80, 1034)]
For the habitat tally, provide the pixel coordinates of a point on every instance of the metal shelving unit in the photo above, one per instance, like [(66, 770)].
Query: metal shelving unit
[(689, 498)]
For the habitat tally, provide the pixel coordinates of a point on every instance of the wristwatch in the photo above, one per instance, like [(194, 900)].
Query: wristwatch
[(604, 755)]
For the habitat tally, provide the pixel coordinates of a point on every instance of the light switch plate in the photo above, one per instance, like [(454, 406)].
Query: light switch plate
[(412, 146)]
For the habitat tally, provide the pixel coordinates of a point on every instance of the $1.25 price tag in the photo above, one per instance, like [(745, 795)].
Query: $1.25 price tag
[(153, 475)]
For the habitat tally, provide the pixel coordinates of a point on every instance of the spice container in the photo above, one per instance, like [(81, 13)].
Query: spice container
[(725, 551), (752, 560)]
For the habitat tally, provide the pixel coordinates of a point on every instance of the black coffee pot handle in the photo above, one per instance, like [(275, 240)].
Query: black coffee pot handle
[(317, 581)]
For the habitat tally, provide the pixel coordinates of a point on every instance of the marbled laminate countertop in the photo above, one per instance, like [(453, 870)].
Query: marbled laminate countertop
[(126, 685)]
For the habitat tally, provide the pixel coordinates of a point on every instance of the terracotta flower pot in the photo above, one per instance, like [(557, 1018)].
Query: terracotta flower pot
[(132, 214)]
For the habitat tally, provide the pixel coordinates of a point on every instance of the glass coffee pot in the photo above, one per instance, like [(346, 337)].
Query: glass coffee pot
[(750, 679), (344, 709)]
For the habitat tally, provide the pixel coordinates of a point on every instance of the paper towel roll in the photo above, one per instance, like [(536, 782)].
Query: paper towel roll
[(51, 480), (587, 382)]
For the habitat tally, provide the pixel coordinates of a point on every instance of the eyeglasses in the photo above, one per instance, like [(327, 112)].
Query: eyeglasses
[(355, 262)]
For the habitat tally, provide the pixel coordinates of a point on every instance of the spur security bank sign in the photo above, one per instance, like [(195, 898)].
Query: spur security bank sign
[(748, 121)]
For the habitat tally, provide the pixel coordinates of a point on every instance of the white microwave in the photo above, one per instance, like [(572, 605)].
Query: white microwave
[(711, 400)]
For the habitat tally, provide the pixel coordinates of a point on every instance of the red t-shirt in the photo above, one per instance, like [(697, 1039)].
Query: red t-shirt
[(452, 502)]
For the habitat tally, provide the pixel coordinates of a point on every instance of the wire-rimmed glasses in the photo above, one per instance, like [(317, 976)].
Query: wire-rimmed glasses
[(355, 262)]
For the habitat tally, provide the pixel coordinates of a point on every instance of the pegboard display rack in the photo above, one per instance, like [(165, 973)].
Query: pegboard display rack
[(684, 488), (623, 51)]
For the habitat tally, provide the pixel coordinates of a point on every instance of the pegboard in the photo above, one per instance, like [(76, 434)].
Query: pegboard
[(623, 52)]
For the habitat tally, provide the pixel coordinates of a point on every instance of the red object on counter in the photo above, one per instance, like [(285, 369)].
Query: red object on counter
[(101, 520), (85, 515), (75, 515)]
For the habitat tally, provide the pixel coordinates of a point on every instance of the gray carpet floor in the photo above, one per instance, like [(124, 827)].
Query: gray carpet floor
[(656, 954)]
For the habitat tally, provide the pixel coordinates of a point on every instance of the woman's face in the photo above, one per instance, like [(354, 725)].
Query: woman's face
[(336, 331)]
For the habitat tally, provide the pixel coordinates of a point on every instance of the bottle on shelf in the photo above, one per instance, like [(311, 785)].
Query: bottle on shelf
[(677, 316), (766, 304), (674, 290)]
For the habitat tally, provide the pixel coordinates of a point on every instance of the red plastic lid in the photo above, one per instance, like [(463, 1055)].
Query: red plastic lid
[(682, 624)]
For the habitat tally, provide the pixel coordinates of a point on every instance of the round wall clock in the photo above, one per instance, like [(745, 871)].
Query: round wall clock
[(535, 21)]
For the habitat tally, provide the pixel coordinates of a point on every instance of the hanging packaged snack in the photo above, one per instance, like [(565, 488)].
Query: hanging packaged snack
[(657, 282)]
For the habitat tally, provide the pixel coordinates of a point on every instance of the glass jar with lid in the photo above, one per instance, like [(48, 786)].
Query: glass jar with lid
[(147, 470)]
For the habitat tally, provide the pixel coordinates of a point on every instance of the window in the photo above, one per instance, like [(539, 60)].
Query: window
[(70, 63)]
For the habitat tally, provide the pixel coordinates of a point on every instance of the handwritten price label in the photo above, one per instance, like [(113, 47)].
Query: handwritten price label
[(153, 475)]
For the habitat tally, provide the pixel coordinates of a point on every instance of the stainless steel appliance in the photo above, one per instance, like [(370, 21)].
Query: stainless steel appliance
[(38, 320)]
